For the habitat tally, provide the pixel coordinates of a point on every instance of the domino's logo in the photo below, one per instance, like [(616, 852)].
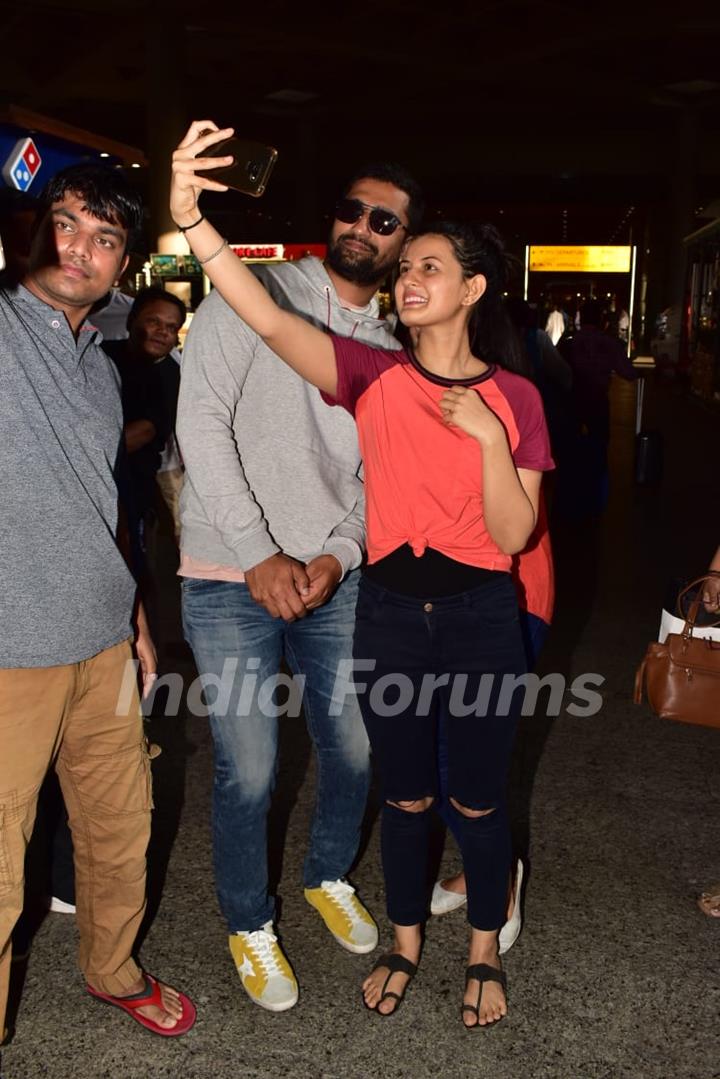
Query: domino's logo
[(22, 166)]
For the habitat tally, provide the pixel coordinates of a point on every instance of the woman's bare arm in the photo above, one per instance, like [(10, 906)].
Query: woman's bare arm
[(510, 495), (510, 499), (305, 348)]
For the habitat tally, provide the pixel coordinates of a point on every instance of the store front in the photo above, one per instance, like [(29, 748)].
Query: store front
[(183, 276)]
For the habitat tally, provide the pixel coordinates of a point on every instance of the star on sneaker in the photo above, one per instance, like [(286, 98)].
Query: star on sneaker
[(344, 915), (265, 973)]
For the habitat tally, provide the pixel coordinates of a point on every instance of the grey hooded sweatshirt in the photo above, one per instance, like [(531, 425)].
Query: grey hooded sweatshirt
[(269, 466)]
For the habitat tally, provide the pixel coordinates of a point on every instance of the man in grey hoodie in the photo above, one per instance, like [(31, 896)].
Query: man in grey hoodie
[(272, 538)]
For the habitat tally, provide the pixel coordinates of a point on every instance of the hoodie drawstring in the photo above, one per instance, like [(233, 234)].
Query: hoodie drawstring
[(355, 324)]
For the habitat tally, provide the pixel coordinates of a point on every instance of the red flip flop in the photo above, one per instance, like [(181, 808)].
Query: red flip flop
[(150, 995)]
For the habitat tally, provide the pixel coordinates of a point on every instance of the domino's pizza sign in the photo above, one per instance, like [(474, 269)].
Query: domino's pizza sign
[(22, 165)]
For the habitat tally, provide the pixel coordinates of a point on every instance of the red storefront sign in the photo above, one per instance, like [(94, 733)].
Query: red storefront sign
[(278, 252)]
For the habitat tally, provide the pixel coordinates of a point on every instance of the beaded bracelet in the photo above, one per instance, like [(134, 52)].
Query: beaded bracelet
[(208, 258)]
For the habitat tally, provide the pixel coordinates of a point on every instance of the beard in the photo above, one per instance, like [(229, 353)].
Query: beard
[(356, 267)]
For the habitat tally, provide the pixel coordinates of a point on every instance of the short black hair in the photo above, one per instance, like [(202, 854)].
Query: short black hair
[(108, 195), (388, 172), (150, 295)]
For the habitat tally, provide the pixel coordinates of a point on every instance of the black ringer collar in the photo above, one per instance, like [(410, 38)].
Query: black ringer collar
[(439, 380)]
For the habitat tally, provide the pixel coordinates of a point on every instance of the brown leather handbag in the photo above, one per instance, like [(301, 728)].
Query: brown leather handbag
[(682, 675)]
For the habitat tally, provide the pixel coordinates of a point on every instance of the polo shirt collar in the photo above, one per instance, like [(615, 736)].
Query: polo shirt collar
[(87, 334), (48, 311)]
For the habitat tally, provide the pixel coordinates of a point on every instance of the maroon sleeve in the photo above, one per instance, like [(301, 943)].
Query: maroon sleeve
[(358, 365), (533, 449)]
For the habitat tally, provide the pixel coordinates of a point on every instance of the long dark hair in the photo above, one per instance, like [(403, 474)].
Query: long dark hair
[(480, 250)]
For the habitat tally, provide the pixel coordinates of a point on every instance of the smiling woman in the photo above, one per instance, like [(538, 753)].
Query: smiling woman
[(454, 447)]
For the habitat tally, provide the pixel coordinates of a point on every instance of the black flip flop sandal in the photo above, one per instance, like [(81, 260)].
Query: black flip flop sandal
[(394, 964), (483, 972)]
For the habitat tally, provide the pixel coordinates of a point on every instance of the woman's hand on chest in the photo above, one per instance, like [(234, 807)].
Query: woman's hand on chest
[(463, 407)]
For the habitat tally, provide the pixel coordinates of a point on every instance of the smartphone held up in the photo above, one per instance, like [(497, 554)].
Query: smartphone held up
[(250, 168)]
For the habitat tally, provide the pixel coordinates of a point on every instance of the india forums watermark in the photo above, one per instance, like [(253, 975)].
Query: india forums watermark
[(238, 692)]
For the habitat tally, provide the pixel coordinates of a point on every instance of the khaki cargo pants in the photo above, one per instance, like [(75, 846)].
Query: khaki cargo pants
[(69, 715)]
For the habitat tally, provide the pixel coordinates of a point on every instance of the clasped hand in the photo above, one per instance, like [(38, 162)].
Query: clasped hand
[(289, 589)]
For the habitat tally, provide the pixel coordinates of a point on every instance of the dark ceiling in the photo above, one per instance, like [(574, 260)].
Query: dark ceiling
[(553, 118)]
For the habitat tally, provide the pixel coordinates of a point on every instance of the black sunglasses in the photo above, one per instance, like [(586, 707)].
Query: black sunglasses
[(383, 222)]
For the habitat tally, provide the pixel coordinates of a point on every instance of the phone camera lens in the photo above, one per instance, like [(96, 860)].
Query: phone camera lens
[(253, 171)]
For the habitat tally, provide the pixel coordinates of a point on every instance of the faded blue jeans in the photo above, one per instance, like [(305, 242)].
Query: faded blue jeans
[(238, 647)]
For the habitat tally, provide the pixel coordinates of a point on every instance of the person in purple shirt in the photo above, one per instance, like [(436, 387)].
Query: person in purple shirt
[(594, 356)]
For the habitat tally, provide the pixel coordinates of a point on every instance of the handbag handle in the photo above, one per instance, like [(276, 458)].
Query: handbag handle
[(695, 605)]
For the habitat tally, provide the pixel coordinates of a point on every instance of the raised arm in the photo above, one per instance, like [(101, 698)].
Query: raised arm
[(305, 348)]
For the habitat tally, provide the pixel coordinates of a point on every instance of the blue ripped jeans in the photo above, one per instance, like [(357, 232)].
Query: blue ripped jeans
[(235, 640)]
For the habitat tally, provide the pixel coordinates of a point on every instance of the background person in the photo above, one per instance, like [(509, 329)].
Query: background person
[(150, 382), (594, 356), (556, 323)]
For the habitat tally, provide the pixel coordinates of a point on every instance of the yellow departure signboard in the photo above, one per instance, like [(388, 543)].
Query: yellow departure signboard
[(579, 259)]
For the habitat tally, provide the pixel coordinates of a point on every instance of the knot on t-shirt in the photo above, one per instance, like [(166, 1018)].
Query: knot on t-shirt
[(418, 545)]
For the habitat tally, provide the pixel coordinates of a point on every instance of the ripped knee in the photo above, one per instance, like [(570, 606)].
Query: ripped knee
[(415, 805), (472, 814)]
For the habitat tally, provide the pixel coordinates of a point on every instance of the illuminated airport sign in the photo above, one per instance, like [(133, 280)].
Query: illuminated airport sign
[(579, 259)]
